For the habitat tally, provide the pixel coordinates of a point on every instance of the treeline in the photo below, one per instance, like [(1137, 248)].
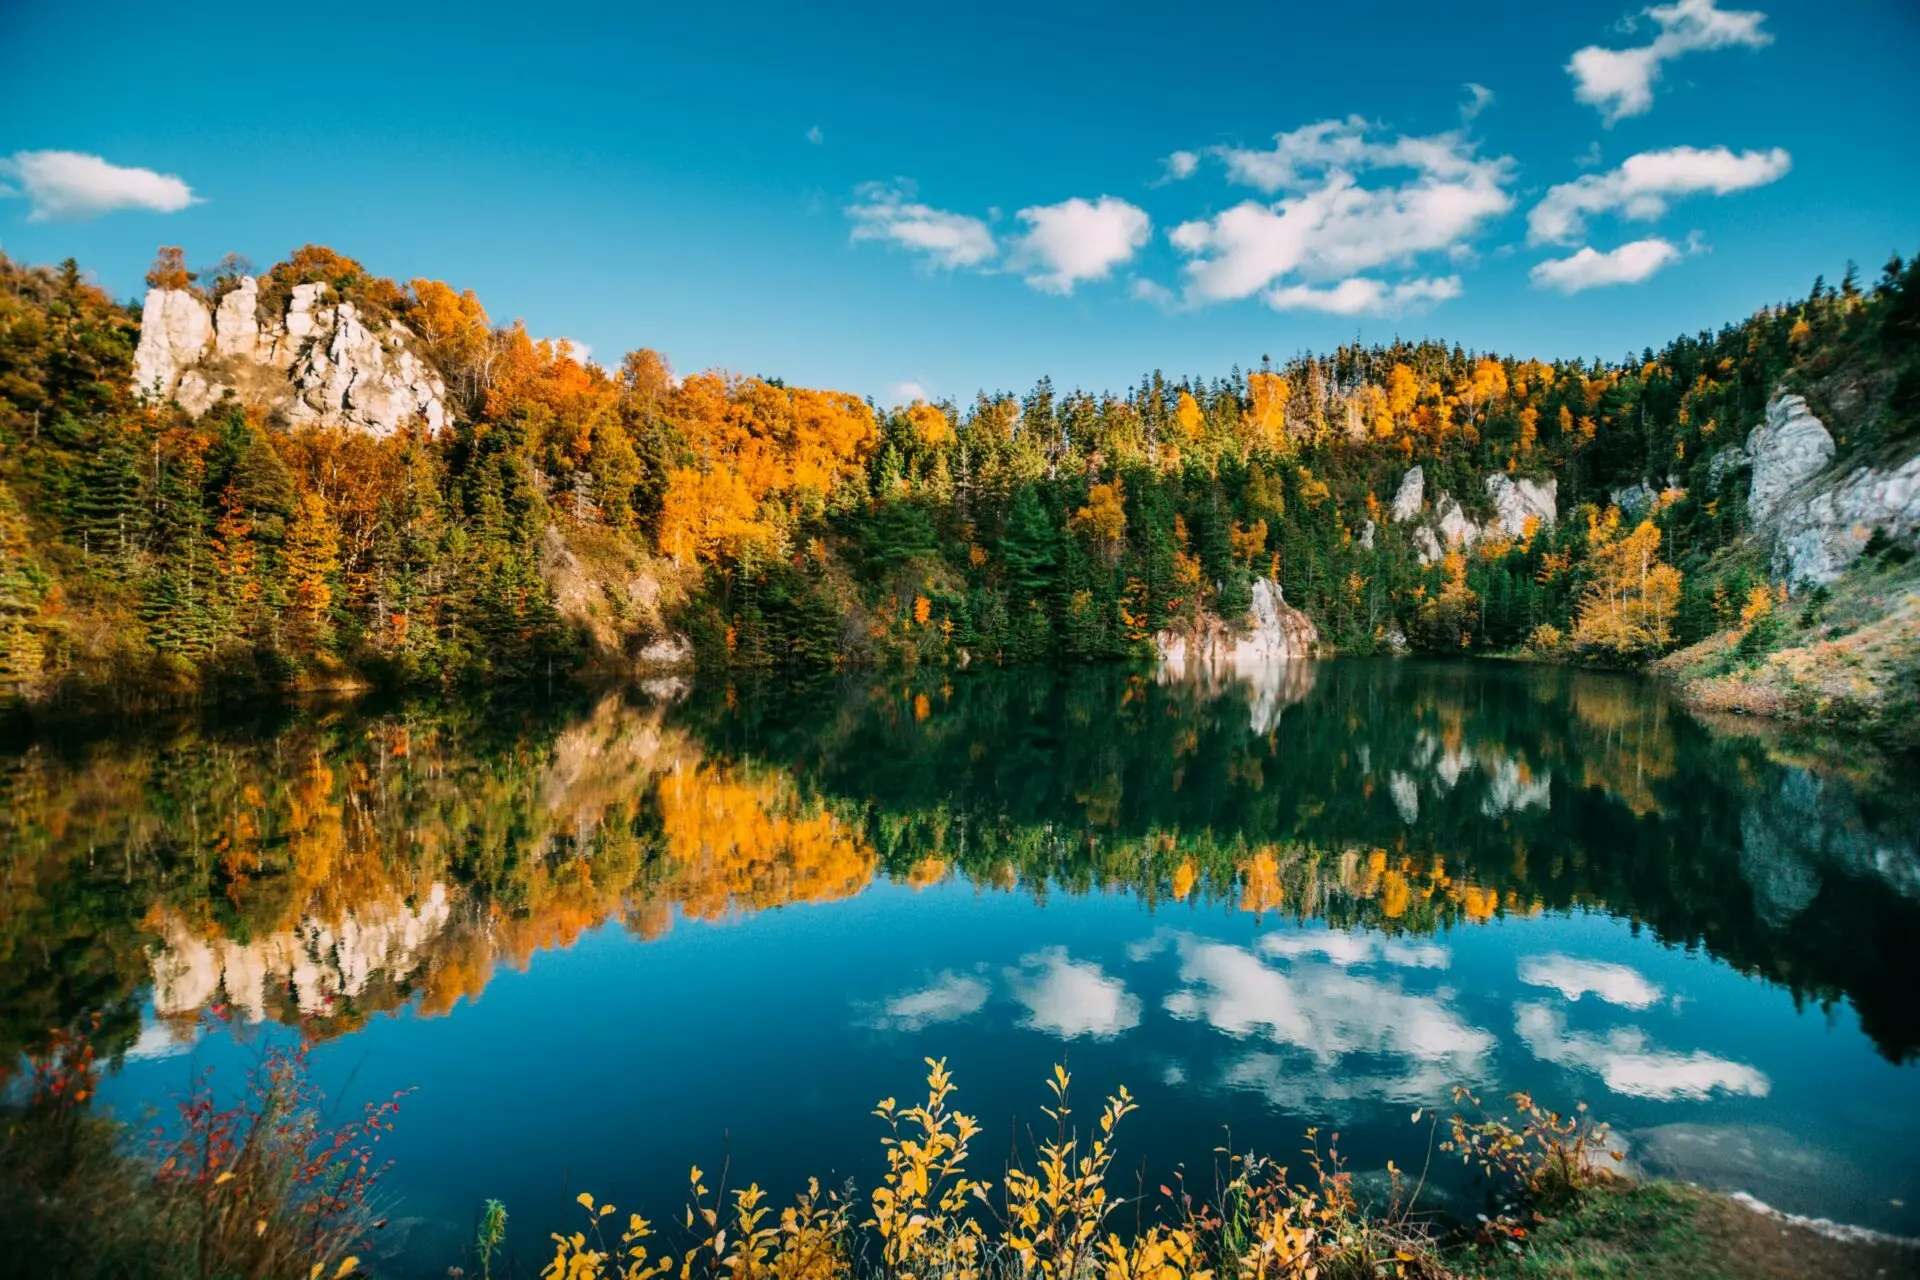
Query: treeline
[(146, 553)]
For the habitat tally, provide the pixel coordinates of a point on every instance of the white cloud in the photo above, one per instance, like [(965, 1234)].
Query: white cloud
[(1590, 269), (1627, 1066), (1180, 166), (948, 998), (1358, 295), (1327, 225), (1322, 1010), (1151, 291), (69, 185), (1070, 998), (1347, 947), (889, 213), (1641, 187), (908, 392), (1078, 240), (581, 352), (816, 137), (1619, 82), (1479, 98), (1613, 983)]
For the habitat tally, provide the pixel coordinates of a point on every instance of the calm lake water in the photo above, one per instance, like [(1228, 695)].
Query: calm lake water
[(611, 940)]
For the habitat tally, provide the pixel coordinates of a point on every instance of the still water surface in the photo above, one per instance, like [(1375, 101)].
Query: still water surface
[(608, 941)]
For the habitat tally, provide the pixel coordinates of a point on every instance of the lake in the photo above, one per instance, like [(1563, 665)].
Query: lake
[(615, 937)]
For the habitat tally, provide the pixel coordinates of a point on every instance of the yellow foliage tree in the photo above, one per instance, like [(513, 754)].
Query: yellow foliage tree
[(1628, 604)]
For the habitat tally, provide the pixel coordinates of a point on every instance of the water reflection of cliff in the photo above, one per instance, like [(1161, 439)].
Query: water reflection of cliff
[(343, 865)]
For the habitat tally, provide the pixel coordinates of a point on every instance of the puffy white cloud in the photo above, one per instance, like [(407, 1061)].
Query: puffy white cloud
[(1180, 166), (1619, 82), (1071, 998), (1627, 1066), (1357, 295), (1589, 269), (1328, 225), (1641, 187), (580, 352), (1078, 240), (1322, 1010), (70, 185), (948, 998), (890, 213), (908, 392), (1613, 983)]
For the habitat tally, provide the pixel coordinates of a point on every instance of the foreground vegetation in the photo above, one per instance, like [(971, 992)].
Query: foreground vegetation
[(570, 511), (259, 1190)]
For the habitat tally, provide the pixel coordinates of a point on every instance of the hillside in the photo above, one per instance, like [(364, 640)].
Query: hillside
[(317, 476)]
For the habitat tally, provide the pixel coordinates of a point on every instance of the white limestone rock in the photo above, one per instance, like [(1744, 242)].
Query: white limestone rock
[(175, 331), (1819, 524), (1455, 529), (237, 323), (1412, 492), (1366, 535), (1790, 448), (1273, 631), (319, 365), (1517, 501)]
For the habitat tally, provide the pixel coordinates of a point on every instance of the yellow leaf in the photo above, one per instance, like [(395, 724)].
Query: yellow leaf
[(347, 1264), (223, 1178), (586, 1201)]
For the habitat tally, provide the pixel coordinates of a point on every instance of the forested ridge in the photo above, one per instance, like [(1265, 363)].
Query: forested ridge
[(147, 555)]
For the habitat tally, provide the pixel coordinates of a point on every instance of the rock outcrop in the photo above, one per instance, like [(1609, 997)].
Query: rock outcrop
[(1273, 631), (175, 331), (1515, 504), (1789, 449), (316, 364), (1412, 492), (1819, 519)]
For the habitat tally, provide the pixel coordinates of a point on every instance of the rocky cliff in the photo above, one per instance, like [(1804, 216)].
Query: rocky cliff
[(1818, 517), (1273, 631), (1515, 502), (316, 362)]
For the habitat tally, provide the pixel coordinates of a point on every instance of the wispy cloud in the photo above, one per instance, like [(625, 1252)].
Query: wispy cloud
[(73, 186), (1619, 82), (950, 997), (908, 392), (890, 213), (1644, 184), (1627, 1065), (1078, 240), (1479, 98), (1359, 295), (1590, 269), (816, 137)]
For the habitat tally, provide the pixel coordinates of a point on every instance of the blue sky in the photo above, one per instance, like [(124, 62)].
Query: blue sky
[(882, 197)]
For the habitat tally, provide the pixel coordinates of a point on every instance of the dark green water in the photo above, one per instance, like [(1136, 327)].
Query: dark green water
[(610, 940)]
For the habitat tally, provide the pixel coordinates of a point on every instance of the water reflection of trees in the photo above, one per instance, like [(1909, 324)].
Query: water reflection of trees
[(339, 865)]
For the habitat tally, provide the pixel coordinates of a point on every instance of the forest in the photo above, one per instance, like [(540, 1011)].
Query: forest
[(149, 556)]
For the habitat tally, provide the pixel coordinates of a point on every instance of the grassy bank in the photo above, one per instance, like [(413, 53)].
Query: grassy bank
[(1844, 656)]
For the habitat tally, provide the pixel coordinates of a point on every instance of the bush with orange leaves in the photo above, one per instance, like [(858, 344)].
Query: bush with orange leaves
[(929, 1219)]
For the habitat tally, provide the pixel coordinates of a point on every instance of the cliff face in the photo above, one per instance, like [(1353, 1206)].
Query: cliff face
[(316, 363), (1273, 631), (1515, 502), (1818, 517)]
